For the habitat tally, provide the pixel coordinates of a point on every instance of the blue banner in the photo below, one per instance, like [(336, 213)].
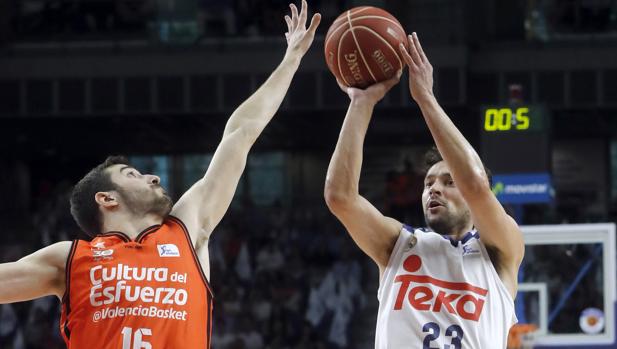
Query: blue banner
[(524, 188)]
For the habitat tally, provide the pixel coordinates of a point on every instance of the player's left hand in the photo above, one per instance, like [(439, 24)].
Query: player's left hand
[(420, 69), (299, 38)]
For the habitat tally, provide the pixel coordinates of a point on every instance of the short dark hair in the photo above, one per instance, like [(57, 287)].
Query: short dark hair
[(84, 208), (432, 156)]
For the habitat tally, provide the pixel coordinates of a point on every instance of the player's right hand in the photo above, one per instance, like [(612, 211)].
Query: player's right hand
[(299, 38), (372, 94)]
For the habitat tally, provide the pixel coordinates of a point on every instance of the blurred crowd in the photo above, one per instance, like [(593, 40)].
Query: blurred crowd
[(188, 20), (285, 279), (547, 19)]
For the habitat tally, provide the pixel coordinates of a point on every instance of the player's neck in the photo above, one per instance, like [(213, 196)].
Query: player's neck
[(130, 224), (458, 234)]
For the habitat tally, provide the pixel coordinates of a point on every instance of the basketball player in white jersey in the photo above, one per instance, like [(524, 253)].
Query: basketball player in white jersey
[(449, 286)]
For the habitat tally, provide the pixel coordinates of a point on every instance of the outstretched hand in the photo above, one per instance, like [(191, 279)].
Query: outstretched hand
[(373, 93), (299, 38), (420, 69)]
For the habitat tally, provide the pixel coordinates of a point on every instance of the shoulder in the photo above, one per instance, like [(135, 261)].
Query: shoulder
[(49, 265), (53, 255)]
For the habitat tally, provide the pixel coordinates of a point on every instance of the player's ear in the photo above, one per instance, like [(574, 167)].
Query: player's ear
[(106, 199)]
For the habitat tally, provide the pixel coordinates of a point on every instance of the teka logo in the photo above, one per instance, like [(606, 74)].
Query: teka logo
[(168, 250), (458, 298)]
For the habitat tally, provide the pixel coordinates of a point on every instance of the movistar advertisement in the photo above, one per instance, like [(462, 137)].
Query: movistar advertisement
[(523, 188)]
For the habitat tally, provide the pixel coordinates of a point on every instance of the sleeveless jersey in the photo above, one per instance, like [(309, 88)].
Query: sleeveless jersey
[(439, 293), (147, 293)]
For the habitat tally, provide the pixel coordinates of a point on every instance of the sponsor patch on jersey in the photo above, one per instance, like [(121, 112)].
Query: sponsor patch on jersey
[(100, 244), (168, 250), (102, 253), (467, 250), (411, 243)]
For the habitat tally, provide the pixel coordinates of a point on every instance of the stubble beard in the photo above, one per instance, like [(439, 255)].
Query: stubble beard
[(159, 205), (447, 224)]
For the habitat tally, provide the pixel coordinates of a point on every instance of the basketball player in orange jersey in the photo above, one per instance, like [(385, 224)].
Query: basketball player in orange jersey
[(449, 286), (142, 282)]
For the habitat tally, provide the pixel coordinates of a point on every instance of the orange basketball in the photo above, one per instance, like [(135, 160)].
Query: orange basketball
[(361, 46)]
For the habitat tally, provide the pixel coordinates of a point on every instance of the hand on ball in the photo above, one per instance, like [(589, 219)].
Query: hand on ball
[(373, 93)]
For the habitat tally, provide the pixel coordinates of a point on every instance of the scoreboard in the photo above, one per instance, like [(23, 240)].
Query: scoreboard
[(515, 138), (516, 147)]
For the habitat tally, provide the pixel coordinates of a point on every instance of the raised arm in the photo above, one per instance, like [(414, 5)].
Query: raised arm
[(496, 228), (373, 232), (202, 207), (37, 275)]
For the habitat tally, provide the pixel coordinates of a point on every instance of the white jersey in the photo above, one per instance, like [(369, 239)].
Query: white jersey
[(440, 293)]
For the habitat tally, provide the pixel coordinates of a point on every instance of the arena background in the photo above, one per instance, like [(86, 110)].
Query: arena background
[(156, 80)]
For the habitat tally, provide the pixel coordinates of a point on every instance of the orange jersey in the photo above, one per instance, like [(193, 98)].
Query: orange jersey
[(147, 293)]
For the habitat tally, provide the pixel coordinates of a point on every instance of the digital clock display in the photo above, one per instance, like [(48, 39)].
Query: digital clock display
[(517, 119), (505, 119)]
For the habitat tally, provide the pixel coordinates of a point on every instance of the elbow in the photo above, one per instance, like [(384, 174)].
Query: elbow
[(242, 134), (337, 199)]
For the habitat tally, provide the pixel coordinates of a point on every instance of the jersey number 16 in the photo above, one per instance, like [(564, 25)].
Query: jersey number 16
[(138, 338)]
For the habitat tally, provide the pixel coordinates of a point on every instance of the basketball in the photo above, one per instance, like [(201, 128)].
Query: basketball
[(361, 46)]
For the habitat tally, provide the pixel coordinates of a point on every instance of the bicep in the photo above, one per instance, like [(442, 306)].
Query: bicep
[(373, 232), (36, 275)]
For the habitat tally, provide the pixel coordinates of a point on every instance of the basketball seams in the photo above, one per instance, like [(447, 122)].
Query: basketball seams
[(342, 19), (353, 34), (329, 36), (338, 56), (385, 42), (377, 60)]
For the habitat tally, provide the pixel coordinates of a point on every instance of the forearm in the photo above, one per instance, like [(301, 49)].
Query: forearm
[(343, 175), (462, 159), (256, 112)]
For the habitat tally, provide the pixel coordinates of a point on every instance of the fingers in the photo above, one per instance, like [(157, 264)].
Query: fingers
[(289, 24), (314, 23), (406, 57), (393, 80), (419, 47), (294, 16), (303, 15), (415, 55)]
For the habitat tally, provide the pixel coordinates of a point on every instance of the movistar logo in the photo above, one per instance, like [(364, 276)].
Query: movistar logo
[(520, 189), (498, 188)]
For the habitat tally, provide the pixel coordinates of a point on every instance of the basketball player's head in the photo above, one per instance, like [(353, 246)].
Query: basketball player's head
[(116, 186), (445, 210)]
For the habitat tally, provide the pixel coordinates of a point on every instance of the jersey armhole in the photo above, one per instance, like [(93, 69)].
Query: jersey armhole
[(66, 298), (395, 252), (497, 278), (193, 252), (67, 272)]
